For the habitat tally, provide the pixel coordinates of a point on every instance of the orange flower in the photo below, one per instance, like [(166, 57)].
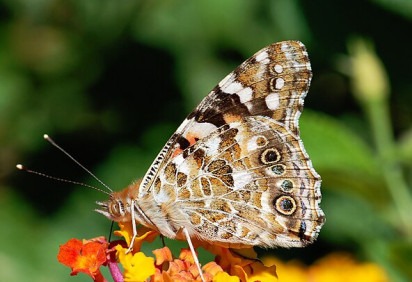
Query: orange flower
[(84, 256), (240, 266), (256, 272), (243, 264), (213, 272), (169, 269), (163, 255), (88, 256)]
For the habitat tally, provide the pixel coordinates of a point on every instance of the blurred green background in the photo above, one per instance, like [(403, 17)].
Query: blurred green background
[(111, 80)]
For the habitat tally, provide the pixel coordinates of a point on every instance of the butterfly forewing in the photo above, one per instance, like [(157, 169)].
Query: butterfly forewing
[(235, 173)]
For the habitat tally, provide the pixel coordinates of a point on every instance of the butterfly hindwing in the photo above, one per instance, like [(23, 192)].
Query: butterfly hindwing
[(240, 186)]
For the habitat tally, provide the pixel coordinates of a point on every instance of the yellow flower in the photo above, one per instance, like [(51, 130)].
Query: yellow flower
[(258, 272), (144, 234), (291, 271), (137, 267), (342, 267), (337, 267), (224, 277), (241, 265)]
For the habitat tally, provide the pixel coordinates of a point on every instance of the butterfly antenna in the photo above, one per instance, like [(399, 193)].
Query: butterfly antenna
[(21, 167), (47, 138)]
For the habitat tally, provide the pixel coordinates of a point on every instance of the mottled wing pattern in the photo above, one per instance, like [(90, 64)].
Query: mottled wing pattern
[(236, 172), (271, 83)]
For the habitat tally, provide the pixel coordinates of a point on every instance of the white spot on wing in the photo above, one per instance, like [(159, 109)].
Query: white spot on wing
[(232, 88), (286, 50), (278, 68), (200, 130), (251, 145), (178, 160), (272, 101), (241, 179), (184, 168), (262, 57), (183, 125), (280, 82), (245, 95), (213, 146)]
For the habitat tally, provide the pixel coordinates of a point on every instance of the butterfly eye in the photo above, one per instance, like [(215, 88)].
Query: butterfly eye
[(285, 205), (116, 208), (286, 185), (261, 141), (278, 169), (270, 156)]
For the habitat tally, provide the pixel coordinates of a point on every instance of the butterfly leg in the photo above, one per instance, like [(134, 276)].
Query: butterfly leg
[(163, 240), (192, 249), (134, 228)]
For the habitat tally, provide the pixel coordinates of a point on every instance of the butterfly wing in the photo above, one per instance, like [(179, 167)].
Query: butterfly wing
[(271, 83), (238, 170)]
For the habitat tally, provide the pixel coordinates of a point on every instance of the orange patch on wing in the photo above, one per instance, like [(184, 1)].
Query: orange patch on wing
[(176, 152), (229, 118), (192, 140)]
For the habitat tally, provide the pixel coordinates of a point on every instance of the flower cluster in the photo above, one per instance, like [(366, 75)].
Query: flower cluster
[(88, 256), (85, 256)]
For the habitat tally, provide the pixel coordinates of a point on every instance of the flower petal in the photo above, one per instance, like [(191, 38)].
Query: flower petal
[(224, 277), (84, 256), (259, 272), (162, 255), (137, 267), (143, 234)]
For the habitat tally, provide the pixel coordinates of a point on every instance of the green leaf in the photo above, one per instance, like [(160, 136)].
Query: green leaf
[(341, 157)]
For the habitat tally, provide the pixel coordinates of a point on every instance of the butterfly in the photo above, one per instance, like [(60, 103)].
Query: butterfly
[(235, 173)]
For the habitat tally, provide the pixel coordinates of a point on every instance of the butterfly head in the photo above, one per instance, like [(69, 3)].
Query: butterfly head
[(118, 207), (113, 209)]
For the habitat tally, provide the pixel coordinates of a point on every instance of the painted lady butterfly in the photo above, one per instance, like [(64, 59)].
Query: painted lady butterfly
[(235, 173)]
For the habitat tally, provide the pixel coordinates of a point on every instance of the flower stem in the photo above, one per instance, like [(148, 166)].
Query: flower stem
[(372, 88), (115, 272), (378, 115)]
